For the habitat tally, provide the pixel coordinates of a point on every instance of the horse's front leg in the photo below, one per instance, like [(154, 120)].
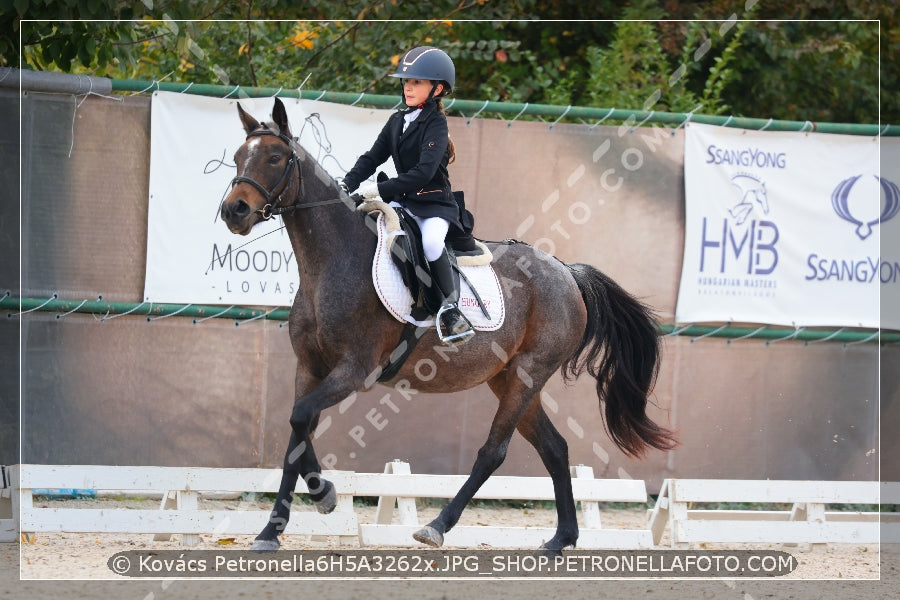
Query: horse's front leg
[(300, 459)]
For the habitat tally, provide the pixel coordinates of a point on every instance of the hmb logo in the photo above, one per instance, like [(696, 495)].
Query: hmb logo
[(753, 246), (747, 245)]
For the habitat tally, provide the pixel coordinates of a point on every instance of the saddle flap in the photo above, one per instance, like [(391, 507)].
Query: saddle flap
[(408, 254)]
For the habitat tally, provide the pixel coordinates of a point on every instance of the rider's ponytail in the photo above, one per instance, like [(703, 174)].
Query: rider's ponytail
[(440, 106)]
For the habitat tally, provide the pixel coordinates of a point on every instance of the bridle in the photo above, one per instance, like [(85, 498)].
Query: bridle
[(275, 207)]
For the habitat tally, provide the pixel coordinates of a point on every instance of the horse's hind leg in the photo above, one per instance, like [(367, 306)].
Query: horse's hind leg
[(554, 452), (515, 393)]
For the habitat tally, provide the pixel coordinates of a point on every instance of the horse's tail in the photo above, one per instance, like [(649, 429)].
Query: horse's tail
[(620, 348)]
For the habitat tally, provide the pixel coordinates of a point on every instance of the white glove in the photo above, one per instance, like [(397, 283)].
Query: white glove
[(368, 190)]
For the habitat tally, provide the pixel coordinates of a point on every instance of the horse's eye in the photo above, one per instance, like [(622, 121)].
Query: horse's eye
[(274, 159)]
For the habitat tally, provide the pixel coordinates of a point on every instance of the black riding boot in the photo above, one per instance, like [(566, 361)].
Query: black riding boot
[(453, 327)]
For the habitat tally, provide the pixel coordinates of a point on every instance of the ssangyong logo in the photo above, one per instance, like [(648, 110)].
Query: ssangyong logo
[(848, 265), (841, 204)]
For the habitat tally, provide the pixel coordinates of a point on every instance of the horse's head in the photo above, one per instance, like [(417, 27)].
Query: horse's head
[(268, 176)]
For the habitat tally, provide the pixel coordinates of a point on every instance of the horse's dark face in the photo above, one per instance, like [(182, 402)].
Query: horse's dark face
[(264, 167)]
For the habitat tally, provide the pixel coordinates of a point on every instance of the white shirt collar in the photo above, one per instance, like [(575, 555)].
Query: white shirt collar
[(410, 117)]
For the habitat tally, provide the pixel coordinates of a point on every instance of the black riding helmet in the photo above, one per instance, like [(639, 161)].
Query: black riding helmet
[(430, 63)]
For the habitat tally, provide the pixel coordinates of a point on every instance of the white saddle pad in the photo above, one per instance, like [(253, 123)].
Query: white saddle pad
[(396, 297)]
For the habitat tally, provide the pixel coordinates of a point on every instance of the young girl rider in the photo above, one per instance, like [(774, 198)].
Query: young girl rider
[(418, 140)]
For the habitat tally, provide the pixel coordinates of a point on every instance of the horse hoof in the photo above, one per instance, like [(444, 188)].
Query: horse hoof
[(547, 552), (429, 535), (265, 545), (552, 549), (327, 504)]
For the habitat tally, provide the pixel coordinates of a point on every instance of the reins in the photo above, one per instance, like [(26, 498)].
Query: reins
[(273, 208)]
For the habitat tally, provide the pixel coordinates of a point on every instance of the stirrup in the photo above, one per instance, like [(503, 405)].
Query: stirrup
[(453, 339)]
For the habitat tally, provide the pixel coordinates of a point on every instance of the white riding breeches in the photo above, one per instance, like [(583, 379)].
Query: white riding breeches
[(434, 233)]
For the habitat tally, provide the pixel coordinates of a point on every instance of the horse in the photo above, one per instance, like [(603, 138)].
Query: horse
[(561, 317)]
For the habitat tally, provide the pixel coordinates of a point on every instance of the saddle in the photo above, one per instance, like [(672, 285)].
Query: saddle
[(401, 277), (408, 255)]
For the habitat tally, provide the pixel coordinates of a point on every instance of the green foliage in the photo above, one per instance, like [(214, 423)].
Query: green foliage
[(822, 71), (628, 73), (708, 61), (67, 35), (635, 72)]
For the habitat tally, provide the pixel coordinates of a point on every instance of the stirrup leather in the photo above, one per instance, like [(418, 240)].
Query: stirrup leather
[(455, 339)]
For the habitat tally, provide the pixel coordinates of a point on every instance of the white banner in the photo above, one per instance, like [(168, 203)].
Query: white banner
[(783, 228), (889, 273), (191, 255)]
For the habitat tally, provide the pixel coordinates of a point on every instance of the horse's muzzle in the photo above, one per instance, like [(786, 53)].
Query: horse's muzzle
[(235, 213)]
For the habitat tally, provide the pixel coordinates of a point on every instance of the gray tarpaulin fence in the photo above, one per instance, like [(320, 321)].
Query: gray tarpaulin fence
[(108, 379)]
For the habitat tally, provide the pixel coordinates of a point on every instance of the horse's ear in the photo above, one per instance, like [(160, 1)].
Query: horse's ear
[(249, 122), (279, 115)]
